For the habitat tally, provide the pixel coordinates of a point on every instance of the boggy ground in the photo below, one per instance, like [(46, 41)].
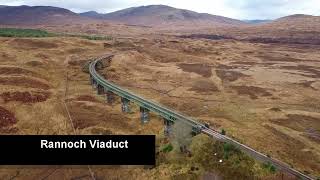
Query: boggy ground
[(36, 76), (264, 95)]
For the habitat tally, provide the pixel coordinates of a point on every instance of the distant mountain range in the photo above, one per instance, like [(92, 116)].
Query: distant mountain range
[(159, 15), (257, 21), (153, 15)]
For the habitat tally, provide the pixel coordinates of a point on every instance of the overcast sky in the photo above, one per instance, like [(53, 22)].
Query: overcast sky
[(239, 9)]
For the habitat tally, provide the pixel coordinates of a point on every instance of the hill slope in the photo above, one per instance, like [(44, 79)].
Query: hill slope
[(160, 15), (297, 22), (294, 29), (92, 14), (29, 15)]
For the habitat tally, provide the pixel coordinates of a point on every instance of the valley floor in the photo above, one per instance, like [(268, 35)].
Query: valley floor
[(264, 95)]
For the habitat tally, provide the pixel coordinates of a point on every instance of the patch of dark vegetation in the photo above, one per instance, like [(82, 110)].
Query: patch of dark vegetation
[(87, 98), (268, 166), (205, 36), (275, 109), (313, 41), (166, 148), (7, 118), (107, 45), (201, 69), (249, 63), (37, 33), (311, 71), (298, 122), (265, 40), (174, 41), (226, 75), (24, 82), (15, 70), (224, 158), (313, 134), (248, 52), (204, 86), (12, 32), (25, 97), (34, 63), (253, 91), (279, 59)]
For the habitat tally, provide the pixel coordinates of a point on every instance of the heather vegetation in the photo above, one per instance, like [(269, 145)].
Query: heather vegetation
[(37, 33), (12, 32), (223, 158), (206, 157)]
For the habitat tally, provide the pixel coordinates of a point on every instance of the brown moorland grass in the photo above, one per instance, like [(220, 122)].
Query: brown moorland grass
[(25, 97), (286, 152), (155, 71), (311, 71), (33, 43), (204, 86), (201, 69), (7, 118), (86, 98), (299, 122), (242, 118), (230, 76), (24, 82), (15, 70), (253, 91)]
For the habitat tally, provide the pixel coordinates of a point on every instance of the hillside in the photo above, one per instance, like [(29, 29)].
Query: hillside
[(160, 15), (32, 15), (92, 14), (293, 29), (297, 22)]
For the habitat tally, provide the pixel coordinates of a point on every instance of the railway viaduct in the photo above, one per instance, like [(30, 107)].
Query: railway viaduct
[(110, 90)]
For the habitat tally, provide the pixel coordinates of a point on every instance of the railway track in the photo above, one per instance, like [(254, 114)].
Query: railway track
[(172, 115)]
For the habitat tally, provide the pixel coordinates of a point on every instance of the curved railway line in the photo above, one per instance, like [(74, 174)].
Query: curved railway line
[(170, 115)]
